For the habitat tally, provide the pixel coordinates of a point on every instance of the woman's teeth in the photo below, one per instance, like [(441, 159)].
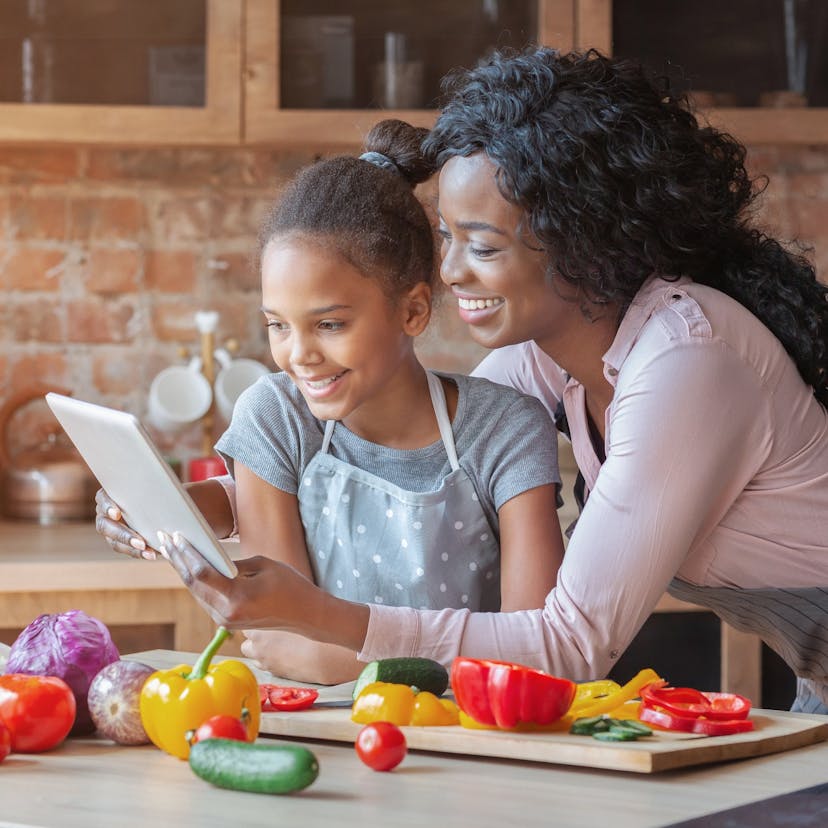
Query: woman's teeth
[(478, 304)]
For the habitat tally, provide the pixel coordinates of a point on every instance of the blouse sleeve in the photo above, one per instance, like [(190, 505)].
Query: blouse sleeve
[(686, 437)]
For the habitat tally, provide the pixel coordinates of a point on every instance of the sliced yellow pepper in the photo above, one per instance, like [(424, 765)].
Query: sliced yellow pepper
[(174, 702), (382, 701), (613, 700)]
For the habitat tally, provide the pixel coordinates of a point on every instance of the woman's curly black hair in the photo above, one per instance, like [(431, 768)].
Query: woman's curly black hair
[(620, 181)]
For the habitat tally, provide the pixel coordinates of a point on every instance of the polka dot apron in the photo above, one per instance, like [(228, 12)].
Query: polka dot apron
[(374, 542)]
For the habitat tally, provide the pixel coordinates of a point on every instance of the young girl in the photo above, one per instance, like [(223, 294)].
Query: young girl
[(381, 481)]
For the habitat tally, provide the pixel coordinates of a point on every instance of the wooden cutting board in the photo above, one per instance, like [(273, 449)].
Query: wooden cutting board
[(775, 731)]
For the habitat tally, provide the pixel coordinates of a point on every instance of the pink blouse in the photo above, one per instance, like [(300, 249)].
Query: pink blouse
[(716, 472)]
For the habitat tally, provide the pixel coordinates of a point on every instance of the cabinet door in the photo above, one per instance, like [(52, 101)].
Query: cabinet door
[(324, 71), (758, 68), (121, 71)]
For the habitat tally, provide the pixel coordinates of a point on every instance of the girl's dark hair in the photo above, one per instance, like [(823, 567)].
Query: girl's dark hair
[(619, 181), (366, 213)]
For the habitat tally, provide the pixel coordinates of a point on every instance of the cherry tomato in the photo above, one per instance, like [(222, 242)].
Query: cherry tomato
[(381, 746), (38, 711), (277, 697), (5, 741), (220, 727)]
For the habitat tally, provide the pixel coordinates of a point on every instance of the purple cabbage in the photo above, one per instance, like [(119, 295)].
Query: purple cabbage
[(71, 645)]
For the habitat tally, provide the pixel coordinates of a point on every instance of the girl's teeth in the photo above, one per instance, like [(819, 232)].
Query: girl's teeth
[(478, 304), (317, 384)]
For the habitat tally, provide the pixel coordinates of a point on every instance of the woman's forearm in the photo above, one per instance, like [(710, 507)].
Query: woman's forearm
[(335, 621)]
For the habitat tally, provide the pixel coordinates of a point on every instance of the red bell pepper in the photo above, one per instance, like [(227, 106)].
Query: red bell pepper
[(503, 694), (692, 724), (686, 701)]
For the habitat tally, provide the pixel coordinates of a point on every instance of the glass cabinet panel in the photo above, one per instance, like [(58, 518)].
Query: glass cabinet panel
[(739, 53), (360, 54), (109, 52)]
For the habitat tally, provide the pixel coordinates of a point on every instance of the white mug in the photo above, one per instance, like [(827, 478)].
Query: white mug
[(178, 396), (234, 378)]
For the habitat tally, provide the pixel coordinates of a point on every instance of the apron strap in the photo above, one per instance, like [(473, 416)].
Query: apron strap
[(326, 440), (438, 400)]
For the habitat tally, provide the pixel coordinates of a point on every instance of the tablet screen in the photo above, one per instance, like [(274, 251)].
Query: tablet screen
[(128, 465)]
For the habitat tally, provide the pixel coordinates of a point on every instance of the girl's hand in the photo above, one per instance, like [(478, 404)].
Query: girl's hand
[(109, 522), (297, 658)]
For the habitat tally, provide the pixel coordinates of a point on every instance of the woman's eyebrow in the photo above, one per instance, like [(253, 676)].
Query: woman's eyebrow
[(477, 225)]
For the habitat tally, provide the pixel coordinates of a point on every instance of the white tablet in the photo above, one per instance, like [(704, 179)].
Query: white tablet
[(120, 453)]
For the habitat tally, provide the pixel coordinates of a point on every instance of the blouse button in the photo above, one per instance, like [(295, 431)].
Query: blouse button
[(613, 654), (613, 372)]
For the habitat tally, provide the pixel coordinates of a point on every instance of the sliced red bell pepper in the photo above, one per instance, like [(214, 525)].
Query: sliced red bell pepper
[(692, 724), (278, 697), (504, 694), (687, 701)]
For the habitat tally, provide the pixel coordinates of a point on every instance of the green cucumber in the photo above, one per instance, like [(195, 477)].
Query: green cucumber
[(422, 673), (254, 767)]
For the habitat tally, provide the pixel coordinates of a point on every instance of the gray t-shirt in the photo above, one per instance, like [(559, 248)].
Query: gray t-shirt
[(506, 442)]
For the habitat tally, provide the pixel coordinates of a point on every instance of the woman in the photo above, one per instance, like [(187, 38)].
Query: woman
[(596, 237)]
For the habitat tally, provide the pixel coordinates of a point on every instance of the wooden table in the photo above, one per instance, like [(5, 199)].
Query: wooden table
[(93, 782), (69, 566)]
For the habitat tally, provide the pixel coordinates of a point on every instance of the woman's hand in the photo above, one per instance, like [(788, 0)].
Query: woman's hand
[(109, 522), (267, 594)]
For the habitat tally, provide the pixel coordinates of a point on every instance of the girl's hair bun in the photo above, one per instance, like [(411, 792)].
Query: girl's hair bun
[(400, 142)]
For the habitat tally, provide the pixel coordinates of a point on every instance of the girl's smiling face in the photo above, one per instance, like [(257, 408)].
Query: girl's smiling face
[(490, 261), (333, 330)]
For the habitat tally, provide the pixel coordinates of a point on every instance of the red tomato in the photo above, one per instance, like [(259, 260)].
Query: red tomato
[(221, 727), (39, 711), (381, 746), (5, 741), (277, 697)]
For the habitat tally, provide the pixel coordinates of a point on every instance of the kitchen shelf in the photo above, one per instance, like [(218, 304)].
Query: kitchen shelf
[(242, 87)]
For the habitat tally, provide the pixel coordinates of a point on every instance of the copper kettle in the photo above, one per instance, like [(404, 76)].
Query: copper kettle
[(49, 483)]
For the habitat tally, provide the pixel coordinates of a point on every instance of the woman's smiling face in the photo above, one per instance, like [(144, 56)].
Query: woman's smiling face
[(494, 267)]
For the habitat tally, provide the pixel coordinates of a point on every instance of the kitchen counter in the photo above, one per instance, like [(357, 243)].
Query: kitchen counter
[(93, 782), (69, 566)]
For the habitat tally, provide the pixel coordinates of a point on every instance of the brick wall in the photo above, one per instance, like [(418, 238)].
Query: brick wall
[(105, 255)]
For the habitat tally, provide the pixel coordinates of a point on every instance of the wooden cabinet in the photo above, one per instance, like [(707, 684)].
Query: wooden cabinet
[(435, 36), (321, 72), (713, 44), (88, 73)]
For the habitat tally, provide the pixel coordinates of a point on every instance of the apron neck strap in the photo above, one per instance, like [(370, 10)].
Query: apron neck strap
[(438, 401), (326, 440)]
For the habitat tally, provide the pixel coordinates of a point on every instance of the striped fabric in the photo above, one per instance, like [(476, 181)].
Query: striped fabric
[(792, 622)]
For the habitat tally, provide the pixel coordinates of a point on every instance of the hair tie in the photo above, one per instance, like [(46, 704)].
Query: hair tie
[(380, 160)]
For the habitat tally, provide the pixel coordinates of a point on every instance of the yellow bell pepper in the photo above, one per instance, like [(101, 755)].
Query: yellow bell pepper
[(175, 702), (614, 699), (383, 701)]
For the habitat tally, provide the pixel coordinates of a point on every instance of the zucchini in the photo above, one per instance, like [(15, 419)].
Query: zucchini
[(422, 673), (254, 767)]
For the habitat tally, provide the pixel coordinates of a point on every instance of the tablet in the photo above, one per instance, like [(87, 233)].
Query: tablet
[(121, 454)]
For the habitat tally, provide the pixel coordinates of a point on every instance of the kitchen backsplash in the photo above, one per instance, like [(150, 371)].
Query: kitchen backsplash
[(106, 254)]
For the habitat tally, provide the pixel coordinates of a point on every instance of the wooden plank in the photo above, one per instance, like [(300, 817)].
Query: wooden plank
[(775, 732)]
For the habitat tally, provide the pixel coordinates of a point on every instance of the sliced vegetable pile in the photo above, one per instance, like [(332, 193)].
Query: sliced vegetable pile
[(693, 711)]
